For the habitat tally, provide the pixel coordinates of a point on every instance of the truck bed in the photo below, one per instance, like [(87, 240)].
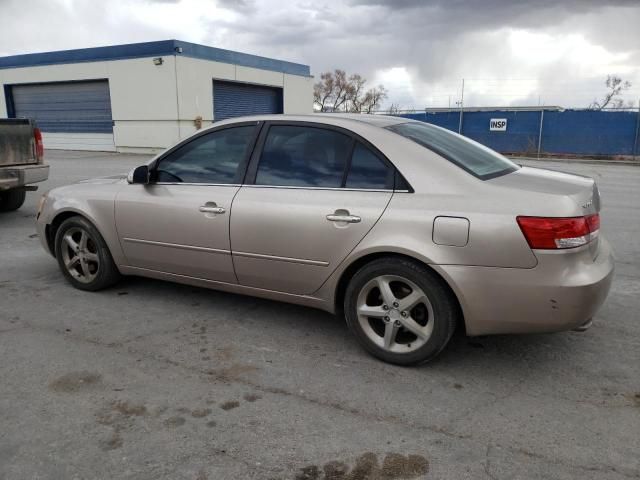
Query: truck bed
[(16, 142)]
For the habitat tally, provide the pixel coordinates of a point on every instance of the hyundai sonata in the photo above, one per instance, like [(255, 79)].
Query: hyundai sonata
[(406, 229)]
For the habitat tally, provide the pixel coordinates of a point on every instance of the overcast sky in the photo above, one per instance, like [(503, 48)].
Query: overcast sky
[(510, 52)]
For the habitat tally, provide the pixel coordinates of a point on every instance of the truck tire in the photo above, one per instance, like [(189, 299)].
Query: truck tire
[(11, 200)]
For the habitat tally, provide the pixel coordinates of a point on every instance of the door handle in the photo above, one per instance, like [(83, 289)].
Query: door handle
[(211, 208), (343, 217)]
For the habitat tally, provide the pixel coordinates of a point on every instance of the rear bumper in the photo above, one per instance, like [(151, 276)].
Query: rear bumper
[(563, 292), (19, 176)]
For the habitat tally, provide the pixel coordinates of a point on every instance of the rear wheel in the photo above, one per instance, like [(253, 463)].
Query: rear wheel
[(83, 255), (400, 311), (11, 200)]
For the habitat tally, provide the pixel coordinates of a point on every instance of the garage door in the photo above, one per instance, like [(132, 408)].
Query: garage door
[(71, 115), (231, 99)]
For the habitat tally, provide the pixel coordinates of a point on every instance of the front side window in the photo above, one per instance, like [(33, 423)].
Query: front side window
[(478, 160), (211, 158), (303, 157), (368, 171)]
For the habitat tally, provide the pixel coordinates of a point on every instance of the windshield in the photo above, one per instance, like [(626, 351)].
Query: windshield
[(471, 156)]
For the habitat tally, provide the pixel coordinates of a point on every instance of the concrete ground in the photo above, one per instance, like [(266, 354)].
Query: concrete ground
[(153, 380)]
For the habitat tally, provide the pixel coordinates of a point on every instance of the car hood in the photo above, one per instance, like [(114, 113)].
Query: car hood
[(105, 180)]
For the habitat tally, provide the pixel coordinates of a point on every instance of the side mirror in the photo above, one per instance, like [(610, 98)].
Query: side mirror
[(139, 175)]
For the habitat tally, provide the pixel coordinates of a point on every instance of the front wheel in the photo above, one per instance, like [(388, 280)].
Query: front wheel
[(83, 255), (400, 311)]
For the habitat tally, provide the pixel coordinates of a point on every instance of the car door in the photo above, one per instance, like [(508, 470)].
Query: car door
[(179, 222), (303, 210)]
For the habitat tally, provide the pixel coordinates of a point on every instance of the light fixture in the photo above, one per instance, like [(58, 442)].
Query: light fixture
[(158, 61)]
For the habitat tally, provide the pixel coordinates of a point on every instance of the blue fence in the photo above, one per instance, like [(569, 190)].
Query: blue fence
[(568, 132)]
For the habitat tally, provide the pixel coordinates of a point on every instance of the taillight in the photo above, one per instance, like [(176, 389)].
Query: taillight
[(37, 136), (559, 232)]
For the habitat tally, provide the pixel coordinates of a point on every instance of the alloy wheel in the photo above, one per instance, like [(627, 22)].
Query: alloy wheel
[(80, 255), (395, 313)]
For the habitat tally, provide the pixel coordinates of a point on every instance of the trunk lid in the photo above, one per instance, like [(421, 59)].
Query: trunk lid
[(582, 190)]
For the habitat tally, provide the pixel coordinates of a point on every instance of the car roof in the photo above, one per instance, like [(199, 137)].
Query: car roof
[(380, 121), (372, 119)]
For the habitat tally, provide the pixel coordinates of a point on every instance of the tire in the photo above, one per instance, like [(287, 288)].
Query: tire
[(11, 200), (93, 268), (414, 329)]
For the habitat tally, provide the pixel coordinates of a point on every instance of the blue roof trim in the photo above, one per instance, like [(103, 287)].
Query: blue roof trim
[(153, 49), (247, 60)]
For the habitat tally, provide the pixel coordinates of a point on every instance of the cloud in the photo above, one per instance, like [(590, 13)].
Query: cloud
[(508, 51)]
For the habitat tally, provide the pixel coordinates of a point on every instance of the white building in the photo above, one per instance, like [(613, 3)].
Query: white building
[(144, 97)]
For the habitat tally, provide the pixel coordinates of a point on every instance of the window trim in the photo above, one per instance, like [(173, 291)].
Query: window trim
[(252, 170), (242, 166)]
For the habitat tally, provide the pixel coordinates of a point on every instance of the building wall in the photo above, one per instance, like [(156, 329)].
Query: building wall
[(154, 106), (195, 89)]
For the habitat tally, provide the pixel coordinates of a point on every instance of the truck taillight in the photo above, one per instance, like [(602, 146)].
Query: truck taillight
[(554, 233), (37, 136)]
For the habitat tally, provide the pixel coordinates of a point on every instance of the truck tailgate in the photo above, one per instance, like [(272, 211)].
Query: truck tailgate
[(16, 142)]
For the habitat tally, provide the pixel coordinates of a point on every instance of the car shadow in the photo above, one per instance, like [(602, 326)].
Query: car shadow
[(496, 352)]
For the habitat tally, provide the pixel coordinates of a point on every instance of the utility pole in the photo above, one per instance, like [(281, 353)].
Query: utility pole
[(635, 141), (540, 131), (461, 108)]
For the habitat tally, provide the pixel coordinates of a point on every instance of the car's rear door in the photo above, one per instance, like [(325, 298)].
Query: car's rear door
[(179, 222), (302, 208)]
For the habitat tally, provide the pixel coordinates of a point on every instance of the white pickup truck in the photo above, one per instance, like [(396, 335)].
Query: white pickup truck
[(21, 161)]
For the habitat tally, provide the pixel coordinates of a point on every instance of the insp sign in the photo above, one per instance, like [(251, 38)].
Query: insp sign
[(498, 125)]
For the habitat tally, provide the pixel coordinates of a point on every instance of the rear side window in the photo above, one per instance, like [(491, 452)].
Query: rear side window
[(368, 170), (303, 157), (211, 158), (471, 156)]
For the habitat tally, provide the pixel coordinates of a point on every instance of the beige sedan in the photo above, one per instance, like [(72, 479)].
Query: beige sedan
[(406, 229)]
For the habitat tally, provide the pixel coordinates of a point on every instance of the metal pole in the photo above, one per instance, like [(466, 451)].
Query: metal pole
[(635, 141), (540, 132), (461, 109)]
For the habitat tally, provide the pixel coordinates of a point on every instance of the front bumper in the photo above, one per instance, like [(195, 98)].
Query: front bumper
[(563, 292), (42, 230), (21, 175)]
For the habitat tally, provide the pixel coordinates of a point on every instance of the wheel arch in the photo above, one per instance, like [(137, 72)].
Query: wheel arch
[(358, 263), (52, 228)]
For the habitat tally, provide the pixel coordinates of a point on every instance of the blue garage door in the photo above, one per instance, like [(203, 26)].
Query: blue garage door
[(231, 99), (69, 107)]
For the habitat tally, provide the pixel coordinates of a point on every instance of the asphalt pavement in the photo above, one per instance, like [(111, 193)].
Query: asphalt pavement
[(152, 380)]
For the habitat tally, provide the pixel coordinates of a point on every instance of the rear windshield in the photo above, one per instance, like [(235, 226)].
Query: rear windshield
[(476, 159)]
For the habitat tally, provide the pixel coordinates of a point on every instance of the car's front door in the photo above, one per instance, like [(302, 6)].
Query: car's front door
[(179, 222), (316, 193)]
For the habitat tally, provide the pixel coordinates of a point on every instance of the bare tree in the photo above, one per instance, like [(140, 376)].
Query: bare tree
[(356, 96), (323, 91), (615, 87), (336, 92), (394, 109), (344, 90), (373, 98)]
